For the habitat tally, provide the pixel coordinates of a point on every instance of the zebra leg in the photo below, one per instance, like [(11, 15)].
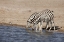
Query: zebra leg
[(40, 26), (47, 25), (50, 25), (53, 24), (37, 28), (33, 27)]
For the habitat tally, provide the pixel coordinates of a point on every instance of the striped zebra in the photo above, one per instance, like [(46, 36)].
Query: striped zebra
[(39, 17), (47, 18), (34, 16)]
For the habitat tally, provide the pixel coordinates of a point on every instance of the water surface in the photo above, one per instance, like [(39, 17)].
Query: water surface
[(18, 34)]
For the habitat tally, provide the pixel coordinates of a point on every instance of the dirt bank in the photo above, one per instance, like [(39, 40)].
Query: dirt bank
[(18, 11)]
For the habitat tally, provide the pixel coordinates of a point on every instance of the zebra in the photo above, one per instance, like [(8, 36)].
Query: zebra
[(48, 18), (40, 17), (34, 16)]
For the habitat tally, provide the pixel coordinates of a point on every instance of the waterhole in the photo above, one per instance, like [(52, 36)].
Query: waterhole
[(18, 34)]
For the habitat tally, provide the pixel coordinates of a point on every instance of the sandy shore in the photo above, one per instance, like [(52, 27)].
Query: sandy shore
[(18, 11), (58, 29)]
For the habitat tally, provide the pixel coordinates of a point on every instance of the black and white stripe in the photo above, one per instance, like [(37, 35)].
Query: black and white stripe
[(40, 17), (48, 18)]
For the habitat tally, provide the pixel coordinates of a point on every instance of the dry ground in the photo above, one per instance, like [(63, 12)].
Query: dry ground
[(18, 11)]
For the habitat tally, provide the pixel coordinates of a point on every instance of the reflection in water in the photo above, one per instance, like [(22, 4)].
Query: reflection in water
[(44, 32), (18, 34)]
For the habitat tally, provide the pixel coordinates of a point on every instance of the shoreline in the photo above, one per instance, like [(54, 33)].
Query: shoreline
[(7, 24), (60, 29)]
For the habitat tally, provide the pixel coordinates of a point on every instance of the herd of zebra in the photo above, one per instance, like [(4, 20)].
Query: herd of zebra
[(38, 18)]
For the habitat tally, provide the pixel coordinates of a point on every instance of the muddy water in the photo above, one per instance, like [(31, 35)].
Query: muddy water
[(18, 34)]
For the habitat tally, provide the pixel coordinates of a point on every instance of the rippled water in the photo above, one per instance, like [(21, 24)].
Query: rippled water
[(18, 34)]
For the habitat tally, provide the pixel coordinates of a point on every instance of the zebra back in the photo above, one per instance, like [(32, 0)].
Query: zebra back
[(44, 15)]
